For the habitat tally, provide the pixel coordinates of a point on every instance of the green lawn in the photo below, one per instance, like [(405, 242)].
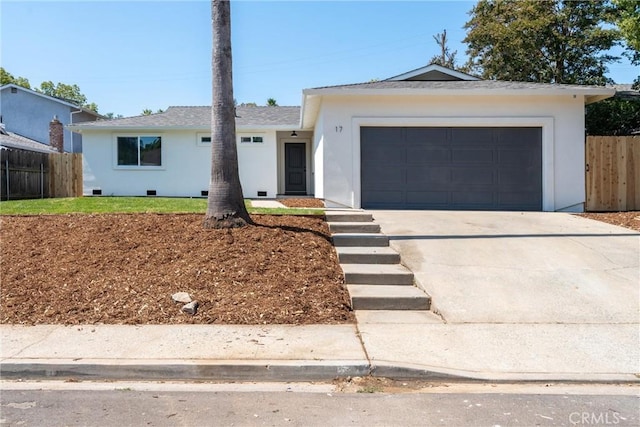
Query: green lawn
[(94, 205)]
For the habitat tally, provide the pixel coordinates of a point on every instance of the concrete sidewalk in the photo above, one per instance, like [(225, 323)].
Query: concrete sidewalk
[(191, 352), (521, 297)]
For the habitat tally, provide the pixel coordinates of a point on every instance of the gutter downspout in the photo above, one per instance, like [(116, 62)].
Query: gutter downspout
[(71, 122)]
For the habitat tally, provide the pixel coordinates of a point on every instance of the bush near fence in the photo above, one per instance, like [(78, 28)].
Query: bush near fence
[(613, 173), (33, 175)]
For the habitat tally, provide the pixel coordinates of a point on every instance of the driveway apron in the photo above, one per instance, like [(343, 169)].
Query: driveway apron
[(515, 267)]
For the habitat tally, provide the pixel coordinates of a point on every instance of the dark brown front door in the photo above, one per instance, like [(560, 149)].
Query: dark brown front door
[(295, 168)]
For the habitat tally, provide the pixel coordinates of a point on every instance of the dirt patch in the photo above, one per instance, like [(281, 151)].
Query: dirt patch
[(302, 203), (629, 220), (123, 269)]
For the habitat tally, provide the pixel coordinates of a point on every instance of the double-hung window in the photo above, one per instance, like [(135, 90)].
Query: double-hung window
[(139, 150)]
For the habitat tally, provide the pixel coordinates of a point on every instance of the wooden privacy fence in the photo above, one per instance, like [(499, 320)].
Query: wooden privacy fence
[(613, 173), (33, 175)]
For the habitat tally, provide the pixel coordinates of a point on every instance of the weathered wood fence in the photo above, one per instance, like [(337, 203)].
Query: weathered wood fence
[(32, 175), (613, 173)]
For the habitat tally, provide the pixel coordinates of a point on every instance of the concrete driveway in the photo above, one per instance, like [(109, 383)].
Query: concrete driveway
[(513, 267)]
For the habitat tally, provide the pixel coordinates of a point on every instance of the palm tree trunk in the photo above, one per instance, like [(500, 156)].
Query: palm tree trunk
[(225, 206)]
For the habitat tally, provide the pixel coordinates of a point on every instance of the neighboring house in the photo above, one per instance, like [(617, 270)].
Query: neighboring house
[(432, 138), (28, 113)]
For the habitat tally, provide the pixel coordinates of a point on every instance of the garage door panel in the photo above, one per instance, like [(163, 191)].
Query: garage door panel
[(514, 180), (452, 168), (519, 198), (427, 155), (382, 176), (426, 198), (432, 136), (471, 176), (518, 158), (472, 155), (433, 177), (477, 198), (388, 154), (383, 198), (472, 135)]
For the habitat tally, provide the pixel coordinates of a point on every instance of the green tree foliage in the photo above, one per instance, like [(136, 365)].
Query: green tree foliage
[(64, 91), (271, 102), (627, 18), (148, 111), (554, 41), (71, 93), (7, 78), (446, 58), (613, 116)]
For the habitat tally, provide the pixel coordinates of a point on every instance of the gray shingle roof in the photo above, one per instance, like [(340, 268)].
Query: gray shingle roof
[(200, 117), (12, 140), (626, 91)]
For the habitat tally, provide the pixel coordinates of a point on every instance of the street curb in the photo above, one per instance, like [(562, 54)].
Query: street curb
[(410, 371), (274, 371), (159, 370)]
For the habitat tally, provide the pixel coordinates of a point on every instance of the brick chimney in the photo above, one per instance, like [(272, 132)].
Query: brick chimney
[(56, 134)]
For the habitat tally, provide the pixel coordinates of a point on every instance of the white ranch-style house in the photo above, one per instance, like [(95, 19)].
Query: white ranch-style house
[(431, 138)]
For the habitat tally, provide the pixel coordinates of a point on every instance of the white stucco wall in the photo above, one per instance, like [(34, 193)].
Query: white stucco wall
[(337, 137), (318, 158), (186, 165)]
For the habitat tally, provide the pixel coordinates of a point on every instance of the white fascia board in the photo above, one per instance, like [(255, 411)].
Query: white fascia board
[(245, 128), (81, 128), (310, 108), (587, 92)]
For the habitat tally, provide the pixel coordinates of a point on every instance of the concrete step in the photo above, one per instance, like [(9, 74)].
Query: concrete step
[(354, 227), (376, 297), (374, 274), (360, 239), (367, 255), (346, 216)]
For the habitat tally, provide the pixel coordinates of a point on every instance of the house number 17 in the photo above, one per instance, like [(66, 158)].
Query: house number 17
[(338, 129)]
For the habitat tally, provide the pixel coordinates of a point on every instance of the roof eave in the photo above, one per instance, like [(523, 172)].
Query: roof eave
[(81, 128), (587, 92), (590, 99)]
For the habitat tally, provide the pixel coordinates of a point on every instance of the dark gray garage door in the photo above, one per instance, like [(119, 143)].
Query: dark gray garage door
[(451, 168)]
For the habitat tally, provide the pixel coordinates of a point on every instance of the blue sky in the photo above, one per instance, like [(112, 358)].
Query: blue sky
[(130, 55)]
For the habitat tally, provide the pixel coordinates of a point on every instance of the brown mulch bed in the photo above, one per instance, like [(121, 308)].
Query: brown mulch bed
[(629, 220), (123, 269), (302, 203)]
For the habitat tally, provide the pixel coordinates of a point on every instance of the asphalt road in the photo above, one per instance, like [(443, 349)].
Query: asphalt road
[(162, 404)]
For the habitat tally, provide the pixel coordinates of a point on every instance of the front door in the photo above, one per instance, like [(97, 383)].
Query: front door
[(295, 168)]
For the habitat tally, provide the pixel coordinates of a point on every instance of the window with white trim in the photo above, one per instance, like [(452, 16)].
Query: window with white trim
[(139, 150), (251, 139)]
